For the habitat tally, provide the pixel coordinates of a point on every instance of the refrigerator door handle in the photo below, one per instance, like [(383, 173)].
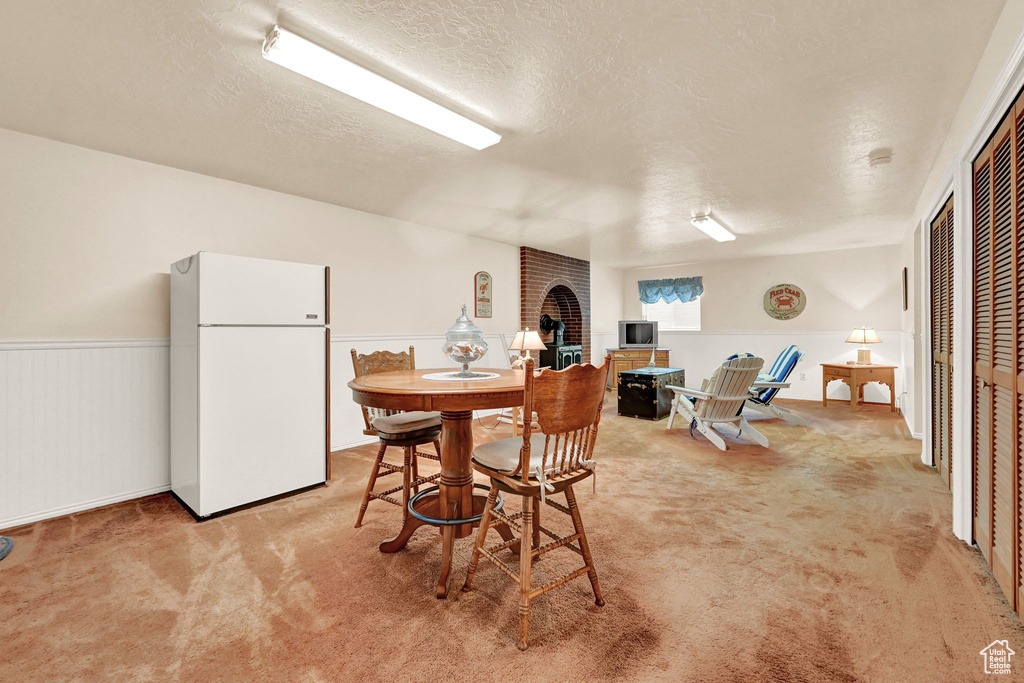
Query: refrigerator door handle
[(327, 295), (185, 264)]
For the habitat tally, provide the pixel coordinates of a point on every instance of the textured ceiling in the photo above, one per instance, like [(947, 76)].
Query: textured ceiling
[(621, 118)]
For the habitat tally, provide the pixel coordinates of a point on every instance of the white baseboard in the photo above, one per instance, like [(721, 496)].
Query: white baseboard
[(906, 420), (352, 444), (831, 399), (40, 515), (790, 397)]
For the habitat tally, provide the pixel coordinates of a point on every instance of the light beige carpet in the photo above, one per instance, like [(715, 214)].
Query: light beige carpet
[(828, 557)]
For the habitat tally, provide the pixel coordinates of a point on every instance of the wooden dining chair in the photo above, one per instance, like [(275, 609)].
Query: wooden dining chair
[(554, 453), (405, 430)]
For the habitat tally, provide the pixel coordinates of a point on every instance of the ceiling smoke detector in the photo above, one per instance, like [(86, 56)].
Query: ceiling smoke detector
[(880, 157)]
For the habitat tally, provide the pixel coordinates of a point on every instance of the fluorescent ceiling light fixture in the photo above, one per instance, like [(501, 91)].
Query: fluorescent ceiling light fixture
[(712, 228), (312, 61)]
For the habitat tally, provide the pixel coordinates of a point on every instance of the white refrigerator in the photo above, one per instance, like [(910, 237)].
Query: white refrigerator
[(250, 384)]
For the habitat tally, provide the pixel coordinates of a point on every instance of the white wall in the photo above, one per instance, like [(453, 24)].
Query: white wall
[(1000, 45), (86, 241), (910, 324), (1005, 35), (605, 309), (844, 289)]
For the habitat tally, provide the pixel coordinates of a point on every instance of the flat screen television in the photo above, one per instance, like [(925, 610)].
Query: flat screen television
[(638, 334)]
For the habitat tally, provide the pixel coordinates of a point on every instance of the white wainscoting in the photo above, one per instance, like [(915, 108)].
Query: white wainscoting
[(82, 424), (699, 353), (85, 423)]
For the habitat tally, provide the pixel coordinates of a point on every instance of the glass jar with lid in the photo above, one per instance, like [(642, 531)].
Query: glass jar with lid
[(464, 343)]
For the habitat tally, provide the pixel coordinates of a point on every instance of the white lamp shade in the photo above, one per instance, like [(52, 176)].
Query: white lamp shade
[(527, 340), (863, 335)]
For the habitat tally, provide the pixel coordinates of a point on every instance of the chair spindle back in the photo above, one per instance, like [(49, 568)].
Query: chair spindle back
[(568, 405)]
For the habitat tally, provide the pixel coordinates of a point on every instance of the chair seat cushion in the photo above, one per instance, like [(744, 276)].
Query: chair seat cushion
[(403, 423), (503, 455)]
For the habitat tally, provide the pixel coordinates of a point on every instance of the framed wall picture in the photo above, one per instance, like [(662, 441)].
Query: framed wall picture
[(484, 290), (905, 292)]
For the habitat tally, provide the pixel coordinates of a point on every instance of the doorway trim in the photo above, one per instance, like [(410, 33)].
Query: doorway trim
[(936, 205), (959, 179)]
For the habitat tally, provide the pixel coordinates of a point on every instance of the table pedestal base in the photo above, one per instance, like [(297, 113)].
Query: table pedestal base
[(430, 506)]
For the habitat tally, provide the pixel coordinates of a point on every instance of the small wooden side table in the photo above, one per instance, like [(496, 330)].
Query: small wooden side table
[(856, 376)]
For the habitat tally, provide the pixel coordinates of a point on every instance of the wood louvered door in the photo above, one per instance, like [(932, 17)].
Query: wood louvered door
[(942, 341), (998, 380)]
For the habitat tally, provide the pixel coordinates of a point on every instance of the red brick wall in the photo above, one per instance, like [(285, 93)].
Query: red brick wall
[(552, 282)]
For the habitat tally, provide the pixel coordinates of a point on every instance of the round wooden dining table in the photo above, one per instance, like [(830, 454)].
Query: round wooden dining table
[(406, 390)]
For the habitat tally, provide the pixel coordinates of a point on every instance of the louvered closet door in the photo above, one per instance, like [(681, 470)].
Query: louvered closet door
[(998, 179), (1008, 314), (1017, 307), (941, 262)]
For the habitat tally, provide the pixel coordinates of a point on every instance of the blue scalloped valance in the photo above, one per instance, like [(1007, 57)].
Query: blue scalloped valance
[(681, 289)]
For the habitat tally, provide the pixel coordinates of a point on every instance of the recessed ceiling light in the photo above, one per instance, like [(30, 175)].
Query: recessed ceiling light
[(323, 66), (712, 228)]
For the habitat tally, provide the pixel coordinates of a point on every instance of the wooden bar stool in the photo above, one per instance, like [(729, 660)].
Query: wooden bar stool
[(405, 430), (551, 456)]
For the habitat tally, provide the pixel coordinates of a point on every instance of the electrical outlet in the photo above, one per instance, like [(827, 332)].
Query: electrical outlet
[(803, 376)]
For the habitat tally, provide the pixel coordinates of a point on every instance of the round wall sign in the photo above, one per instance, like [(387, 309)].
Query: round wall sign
[(784, 302)]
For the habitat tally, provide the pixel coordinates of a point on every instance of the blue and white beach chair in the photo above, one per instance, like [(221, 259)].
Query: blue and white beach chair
[(769, 383)]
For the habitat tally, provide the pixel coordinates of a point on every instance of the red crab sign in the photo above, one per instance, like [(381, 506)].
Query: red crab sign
[(784, 302)]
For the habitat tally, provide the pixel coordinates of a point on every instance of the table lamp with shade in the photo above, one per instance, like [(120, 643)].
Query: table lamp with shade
[(863, 336), (527, 340)]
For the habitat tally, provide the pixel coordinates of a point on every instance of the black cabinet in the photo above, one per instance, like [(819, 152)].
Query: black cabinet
[(644, 392), (561, 356)]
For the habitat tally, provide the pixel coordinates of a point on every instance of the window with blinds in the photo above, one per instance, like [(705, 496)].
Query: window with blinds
[(998, 354), (674, 316), (941, 262)]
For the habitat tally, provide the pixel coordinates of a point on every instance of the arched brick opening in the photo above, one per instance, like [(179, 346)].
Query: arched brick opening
[(559, 286), (561, 303)]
